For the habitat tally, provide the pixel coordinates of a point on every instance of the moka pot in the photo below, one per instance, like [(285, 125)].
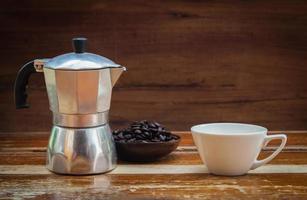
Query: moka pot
[(79, 87)]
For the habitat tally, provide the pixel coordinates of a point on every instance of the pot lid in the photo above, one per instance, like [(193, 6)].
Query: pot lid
[(80, 60)]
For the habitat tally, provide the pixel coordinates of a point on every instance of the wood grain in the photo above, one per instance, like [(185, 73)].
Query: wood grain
[(188, 62), (37, 141), (176, 158), (150, 169), (30, 148), (180, 186), (178, 176), (25, 148)]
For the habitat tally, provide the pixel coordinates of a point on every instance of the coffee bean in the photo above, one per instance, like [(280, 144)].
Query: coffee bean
[(144, 131), (120, 135), (139, 137), (151, 125), (157, 124), (153, 130), (137, 131), (131, 140), (135, 128), (127, 136), (162, 137)]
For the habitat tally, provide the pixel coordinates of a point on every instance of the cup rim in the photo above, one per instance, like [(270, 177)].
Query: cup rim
[(261, 129)]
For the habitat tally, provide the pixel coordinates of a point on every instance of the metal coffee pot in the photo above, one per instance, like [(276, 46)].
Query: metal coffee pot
[(79, 87)]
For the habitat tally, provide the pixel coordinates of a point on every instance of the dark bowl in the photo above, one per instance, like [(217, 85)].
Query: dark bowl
[(145, 152)]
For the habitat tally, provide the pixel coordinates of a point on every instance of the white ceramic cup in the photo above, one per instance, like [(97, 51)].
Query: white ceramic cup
[(231, 148)]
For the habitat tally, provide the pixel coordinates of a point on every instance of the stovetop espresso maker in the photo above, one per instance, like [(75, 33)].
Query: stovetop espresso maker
[(79, 87)]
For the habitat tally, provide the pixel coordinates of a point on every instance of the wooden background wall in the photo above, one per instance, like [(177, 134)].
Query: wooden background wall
[(189, 61)]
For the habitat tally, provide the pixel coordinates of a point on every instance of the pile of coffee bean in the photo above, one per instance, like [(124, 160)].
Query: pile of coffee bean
[(143, 132)]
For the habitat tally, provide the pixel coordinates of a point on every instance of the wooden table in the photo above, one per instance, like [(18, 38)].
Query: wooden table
[(181, 175)]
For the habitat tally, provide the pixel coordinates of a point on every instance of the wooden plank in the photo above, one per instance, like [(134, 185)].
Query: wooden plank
[(35, 141), (176, 158), (179, 176), (23, 139), (183, 158), (224, 61), (176, 186), (154, 169)]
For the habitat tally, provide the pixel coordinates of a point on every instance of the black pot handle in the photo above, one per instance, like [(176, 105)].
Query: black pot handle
[(21, 84)]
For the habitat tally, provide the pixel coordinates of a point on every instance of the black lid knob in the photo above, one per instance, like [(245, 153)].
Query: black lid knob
[(79, 44)]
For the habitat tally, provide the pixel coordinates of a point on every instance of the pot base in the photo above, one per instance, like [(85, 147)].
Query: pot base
[(81, 151)]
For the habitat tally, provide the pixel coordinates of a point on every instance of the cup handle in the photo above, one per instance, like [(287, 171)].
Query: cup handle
[(266, 141)]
